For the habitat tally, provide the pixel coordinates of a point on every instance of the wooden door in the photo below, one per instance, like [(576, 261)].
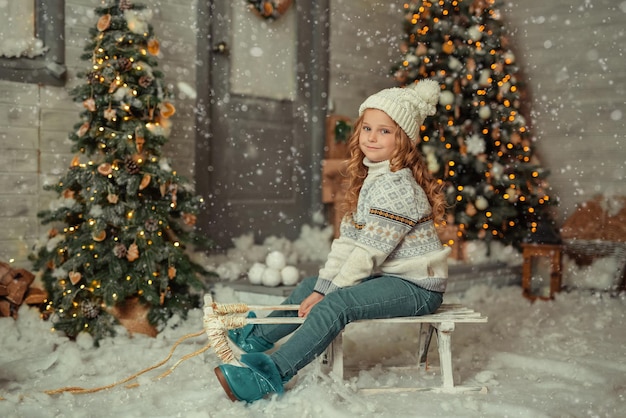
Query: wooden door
[(260, 143)]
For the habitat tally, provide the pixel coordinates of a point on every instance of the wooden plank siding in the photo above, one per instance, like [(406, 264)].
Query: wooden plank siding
[(35, 121), (572, 55)]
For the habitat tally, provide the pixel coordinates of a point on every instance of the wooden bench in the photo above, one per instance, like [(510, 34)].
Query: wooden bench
[(441, 323)]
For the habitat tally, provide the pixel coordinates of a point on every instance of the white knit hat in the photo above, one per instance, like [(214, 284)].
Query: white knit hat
[(407, 106)]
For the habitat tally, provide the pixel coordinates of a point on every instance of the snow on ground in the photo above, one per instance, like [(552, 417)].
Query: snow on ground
[(563, 358)]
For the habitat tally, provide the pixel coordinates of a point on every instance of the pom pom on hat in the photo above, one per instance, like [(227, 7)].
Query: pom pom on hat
[(407, 106)]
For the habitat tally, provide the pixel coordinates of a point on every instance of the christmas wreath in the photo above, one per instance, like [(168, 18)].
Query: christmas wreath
[(270, 9)]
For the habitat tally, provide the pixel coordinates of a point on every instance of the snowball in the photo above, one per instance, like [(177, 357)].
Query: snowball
[(484, 112), (276, 260), (474, 33), (497, 170), (255, 274), (446, 98), (481, 203), (454, 63), (432, 163), (271, 277), (509, 57), (485, 75), (289, 275), (512, 194)]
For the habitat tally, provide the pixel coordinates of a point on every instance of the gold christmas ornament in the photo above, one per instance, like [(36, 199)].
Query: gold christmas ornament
[(112, 198), (139, 141), (133, 252), (75, 277), (145, 181), (470, 65), (470, 209), (171, 272), (100, 236), (113, 86), (83, 129), (68, 194), (75, 161), (270, 9), (90, 104), (189, 218), (104, 22), (110, 113), (105, 169), (167, 109), (153, 46)]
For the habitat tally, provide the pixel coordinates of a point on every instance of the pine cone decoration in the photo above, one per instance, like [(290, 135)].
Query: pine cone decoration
[(124, 5), (90, 309), (120, 251), (152, 225), (93, 77), (123, 64), (131, 166), (145, 81)]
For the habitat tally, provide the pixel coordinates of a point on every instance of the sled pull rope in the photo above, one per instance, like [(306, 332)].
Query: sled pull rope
[(79, 390), (218, 319)]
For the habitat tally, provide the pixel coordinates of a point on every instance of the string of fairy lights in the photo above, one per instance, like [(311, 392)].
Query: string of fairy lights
[(479, 142), (119, 238)]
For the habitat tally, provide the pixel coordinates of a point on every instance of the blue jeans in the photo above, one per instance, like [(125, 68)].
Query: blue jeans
[(374, 297)]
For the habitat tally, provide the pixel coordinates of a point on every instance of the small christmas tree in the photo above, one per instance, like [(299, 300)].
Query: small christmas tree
[(125, 214), (478, 142)]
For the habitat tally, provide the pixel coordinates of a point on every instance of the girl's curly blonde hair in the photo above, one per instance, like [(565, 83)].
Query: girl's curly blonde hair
[(405, 155)]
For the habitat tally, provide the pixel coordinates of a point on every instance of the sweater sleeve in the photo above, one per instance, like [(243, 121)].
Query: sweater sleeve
[(390, 213), (340, 251)]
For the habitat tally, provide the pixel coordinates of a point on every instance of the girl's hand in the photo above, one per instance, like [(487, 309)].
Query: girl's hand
[(309, 303)]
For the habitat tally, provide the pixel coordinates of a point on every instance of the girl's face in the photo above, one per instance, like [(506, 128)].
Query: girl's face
[(377, 138)]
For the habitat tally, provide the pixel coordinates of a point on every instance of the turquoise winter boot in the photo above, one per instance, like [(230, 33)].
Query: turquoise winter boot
[(251, 383), (243, 338)]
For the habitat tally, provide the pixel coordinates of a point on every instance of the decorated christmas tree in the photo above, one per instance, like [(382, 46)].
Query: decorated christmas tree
[(479, 142), (124, 217)]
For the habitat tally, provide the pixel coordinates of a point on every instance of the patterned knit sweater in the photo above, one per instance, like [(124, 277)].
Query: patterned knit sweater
[(391, 233)]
